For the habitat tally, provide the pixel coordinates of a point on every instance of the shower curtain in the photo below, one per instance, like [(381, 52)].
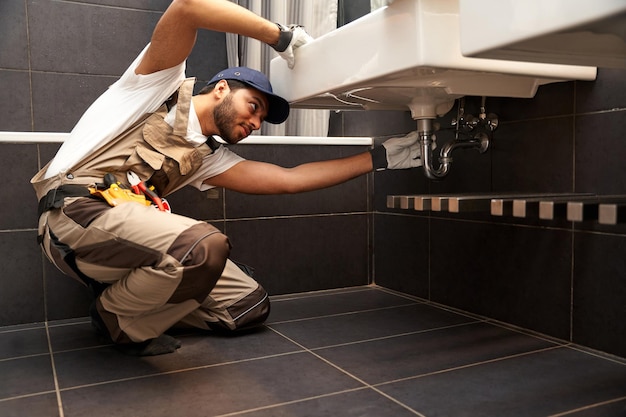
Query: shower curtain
[(318, 17)]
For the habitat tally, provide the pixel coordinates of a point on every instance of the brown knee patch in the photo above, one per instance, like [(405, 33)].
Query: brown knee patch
[(202, 250), (251, 311)]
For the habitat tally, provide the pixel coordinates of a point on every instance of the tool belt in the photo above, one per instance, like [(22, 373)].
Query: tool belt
[(116, 195), (55, 197), (112, 191)]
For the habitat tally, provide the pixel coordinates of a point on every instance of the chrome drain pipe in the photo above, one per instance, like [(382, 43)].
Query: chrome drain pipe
[(426, 135), (426, 138), (476, 133)]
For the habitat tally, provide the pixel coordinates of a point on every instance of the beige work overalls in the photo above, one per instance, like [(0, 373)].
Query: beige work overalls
[(164, 269)]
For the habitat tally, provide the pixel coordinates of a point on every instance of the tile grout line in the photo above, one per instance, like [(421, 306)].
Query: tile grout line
[(588, 407), (301, 400), (178, 371), (511, 327), (321, 293), (393, 336), (470, 365), (54, 374), (348, 313), (17, 397), (349, 374)]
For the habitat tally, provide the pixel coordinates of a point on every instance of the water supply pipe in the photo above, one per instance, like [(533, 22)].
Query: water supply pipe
[(479, 141)]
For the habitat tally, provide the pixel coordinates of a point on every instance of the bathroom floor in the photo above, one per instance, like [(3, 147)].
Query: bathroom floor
[(362, 351)]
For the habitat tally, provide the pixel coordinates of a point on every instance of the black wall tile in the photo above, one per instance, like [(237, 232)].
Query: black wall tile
[(519, 275), (65, 297), (371, 123), (18, 163), (201, 205), (15, 107), (59, 100), (401, 254), (14, 40), (90, 35), (303, 253), (208, 56), (347, 197), (600, 153), (154, 5), (605, 93), (398, 182), (556, 99), (21, 286), (534, 156), (599, 292), (47, 152)]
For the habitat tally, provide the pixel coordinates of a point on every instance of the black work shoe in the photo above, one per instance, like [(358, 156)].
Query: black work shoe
[(151, 347), (98, 324)]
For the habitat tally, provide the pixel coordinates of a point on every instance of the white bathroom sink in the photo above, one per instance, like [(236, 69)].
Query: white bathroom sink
[(405, 56), (582, 32)]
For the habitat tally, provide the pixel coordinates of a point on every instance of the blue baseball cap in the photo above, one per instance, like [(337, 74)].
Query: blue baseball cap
[(278, 107)]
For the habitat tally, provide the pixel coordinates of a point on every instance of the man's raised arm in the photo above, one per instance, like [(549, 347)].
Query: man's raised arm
[(175, 33)]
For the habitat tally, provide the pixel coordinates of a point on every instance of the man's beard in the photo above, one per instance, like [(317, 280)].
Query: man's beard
[(224, 119)]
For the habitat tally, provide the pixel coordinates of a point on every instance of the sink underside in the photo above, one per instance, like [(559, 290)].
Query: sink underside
[(405, 56)]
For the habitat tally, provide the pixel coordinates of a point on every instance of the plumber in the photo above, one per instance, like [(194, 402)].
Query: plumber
[(149, 269)]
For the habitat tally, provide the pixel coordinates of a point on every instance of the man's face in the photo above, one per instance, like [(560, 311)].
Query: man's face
[(240, 113)]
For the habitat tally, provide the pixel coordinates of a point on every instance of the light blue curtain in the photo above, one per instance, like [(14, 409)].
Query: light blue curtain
[(318, 17)]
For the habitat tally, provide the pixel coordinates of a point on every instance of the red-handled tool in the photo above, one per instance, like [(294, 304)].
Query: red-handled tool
[(140, 187)]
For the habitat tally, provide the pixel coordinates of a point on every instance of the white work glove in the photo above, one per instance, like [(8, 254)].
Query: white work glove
[(291, 37), (397, 153)]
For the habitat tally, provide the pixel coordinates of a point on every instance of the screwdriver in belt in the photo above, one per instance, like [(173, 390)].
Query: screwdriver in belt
[(140, 186)]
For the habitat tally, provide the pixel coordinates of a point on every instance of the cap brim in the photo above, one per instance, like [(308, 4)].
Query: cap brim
[(278, 109)]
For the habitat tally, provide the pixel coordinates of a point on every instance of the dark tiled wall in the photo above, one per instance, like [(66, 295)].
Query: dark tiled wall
[(563, 279), (56, 57)]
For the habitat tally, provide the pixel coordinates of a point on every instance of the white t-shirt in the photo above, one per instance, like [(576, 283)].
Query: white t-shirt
[(124, 102)]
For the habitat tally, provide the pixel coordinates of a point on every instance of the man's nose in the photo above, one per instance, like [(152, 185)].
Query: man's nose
[(255, 122)]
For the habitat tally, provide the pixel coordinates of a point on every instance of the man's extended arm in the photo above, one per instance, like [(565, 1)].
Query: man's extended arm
[(254, 177), (175, 34)]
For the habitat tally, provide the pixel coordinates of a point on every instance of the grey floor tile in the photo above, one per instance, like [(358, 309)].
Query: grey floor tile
[(25, 376), (44, 405), (16, 343), (106, 363), (71, 336), (323, 304), (372, 355), (212, 391), (352, 327), (431, 351), (611, 408), (538, 384), (360, 403)]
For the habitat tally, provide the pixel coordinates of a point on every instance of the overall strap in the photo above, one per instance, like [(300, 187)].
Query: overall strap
[(182, 107)]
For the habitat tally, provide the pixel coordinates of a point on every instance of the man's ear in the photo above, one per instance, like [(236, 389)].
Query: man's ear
[(221, 89)]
